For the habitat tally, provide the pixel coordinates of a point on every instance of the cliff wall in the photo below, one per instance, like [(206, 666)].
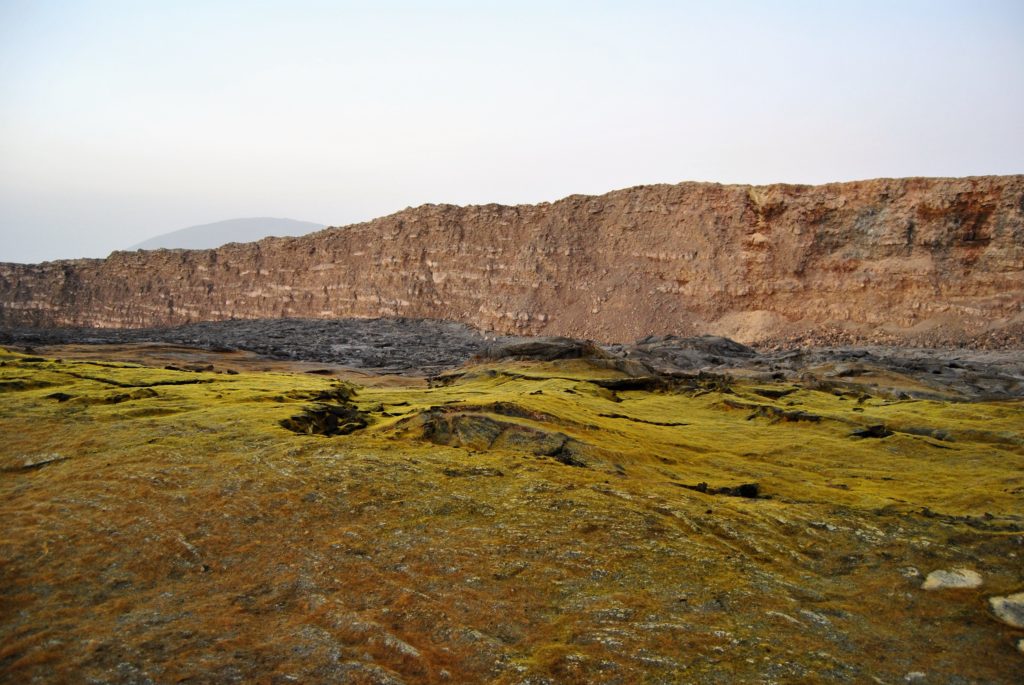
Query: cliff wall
[(901, 259)]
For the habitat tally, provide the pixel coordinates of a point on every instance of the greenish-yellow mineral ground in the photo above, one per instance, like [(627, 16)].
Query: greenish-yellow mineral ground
[(508, 522)]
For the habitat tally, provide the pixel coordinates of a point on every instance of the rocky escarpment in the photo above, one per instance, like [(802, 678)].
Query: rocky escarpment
[(905, 260)]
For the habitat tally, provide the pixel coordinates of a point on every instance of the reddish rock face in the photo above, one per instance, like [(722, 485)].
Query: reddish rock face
[(902, 260)]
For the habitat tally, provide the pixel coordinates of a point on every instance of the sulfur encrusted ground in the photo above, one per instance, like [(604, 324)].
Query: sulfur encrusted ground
[(564, 522)]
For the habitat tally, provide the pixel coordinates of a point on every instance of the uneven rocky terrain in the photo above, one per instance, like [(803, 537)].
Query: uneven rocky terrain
[(209, 475), (381, 345), (529, 511), (423, 348), (918, 261)]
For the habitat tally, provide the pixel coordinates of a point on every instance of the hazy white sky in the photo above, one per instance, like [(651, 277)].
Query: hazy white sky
[(123, 120)]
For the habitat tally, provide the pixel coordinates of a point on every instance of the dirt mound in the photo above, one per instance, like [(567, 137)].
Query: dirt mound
[(543, 349)]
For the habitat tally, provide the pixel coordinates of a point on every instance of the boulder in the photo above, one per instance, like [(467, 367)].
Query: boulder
[(957, 578), (1009, 609)]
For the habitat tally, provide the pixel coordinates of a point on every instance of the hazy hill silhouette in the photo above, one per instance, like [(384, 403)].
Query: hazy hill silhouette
[(219, 233)]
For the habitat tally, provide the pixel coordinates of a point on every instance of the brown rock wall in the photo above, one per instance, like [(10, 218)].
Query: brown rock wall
[(903, 257)]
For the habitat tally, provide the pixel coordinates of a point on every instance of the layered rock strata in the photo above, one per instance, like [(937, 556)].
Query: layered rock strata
[(904, 260)]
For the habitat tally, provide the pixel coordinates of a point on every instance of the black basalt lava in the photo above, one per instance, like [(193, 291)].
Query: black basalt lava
[(429, 347)]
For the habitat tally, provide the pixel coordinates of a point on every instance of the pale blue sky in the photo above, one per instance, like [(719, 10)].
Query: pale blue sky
[(123, 120)]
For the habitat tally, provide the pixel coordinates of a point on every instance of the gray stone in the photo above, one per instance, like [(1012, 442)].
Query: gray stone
[(1009, 609), (956, 578)]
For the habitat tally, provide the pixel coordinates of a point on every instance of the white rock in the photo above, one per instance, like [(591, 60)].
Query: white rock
[(785, 617), (955, 578), (1009, 609)]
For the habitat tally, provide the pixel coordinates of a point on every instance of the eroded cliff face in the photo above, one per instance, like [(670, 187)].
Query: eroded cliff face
[(906, 259)]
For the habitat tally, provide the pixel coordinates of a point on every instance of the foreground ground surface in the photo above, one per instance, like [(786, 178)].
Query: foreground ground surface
[(509, 521)]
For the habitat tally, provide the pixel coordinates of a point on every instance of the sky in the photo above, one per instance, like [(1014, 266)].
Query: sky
[(123, 120)]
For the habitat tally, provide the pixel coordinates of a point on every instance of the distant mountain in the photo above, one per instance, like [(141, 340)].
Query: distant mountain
[(231, 231)]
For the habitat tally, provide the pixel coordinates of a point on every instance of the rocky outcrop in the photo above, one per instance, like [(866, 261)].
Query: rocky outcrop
[(899, 260)]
